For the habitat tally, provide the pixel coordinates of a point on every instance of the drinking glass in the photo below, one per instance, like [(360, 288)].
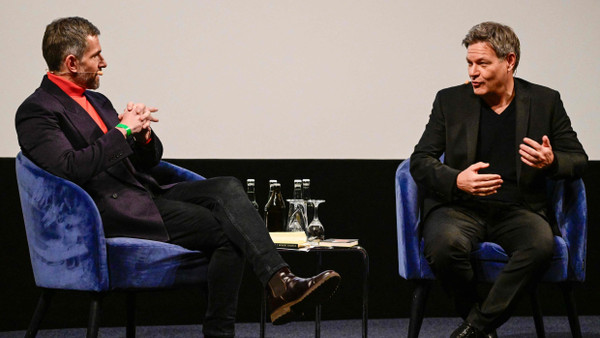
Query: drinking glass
[(297, 215), (316, 232)]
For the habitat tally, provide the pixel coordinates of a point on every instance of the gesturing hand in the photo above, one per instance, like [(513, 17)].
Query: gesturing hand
[(474, 183), (536, 155)]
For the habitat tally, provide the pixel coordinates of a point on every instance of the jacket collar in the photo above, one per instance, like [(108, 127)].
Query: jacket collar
[(87, 128)]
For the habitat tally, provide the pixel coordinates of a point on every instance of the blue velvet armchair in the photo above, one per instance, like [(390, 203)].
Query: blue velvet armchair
[(68, 249), (567, 267)]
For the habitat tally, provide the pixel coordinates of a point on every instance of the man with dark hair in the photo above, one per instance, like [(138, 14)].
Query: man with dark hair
[(76, 133), (502, 138), (64, 37)]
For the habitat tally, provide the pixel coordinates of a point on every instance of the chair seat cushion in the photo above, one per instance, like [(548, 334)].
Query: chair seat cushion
[(489, 259), (140, 263)]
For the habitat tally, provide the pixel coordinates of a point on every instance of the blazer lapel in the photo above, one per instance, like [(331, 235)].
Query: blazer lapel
[(523, 105), (85, 125), (472, 116), (124, 171), (107, 114)]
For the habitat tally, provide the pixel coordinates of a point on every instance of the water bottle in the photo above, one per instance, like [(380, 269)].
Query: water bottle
[(250, 186)]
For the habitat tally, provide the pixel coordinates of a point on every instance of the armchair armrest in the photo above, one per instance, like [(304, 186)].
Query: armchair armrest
[(167, 173)]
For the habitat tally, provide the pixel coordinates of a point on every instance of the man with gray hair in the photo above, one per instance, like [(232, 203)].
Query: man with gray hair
[(502, 138)]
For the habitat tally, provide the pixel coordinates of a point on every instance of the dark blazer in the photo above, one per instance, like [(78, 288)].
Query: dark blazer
[(57, 134), (453, 129)]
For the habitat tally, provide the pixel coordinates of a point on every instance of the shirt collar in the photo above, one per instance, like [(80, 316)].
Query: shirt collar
[(70, 88)]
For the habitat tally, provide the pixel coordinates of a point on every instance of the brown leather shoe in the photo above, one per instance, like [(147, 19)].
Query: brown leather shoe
[(289, 296)]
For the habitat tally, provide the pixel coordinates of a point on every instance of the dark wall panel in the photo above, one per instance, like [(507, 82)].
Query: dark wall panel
[(360, 204)]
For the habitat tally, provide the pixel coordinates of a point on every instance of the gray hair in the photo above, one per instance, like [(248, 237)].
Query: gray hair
[(501, 38), (66, 36)]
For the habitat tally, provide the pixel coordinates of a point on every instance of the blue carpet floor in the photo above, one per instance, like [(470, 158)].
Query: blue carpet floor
[(521, 327)]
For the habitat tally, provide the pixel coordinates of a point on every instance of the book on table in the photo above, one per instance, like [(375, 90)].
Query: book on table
[(292, 240), (339, 242)]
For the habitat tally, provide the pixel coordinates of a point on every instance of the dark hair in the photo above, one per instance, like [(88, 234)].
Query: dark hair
[(66, 36), (501, 38)]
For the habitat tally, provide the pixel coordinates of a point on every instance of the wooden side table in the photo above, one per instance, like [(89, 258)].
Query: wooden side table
[(318, 252)]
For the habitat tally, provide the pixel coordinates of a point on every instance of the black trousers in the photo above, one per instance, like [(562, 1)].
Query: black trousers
[(216, 217), (451, 232)]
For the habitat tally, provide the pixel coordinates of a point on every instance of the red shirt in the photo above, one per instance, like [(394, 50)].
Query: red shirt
[(76, 93)]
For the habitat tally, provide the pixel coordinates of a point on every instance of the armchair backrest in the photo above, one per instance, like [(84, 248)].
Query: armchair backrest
[(64, 230), (569, 206), (408, 217)]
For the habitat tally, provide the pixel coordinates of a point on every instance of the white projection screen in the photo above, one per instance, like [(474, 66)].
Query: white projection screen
[(303, 79)]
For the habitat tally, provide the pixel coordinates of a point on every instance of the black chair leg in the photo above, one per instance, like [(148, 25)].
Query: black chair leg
[(39, 313), (567, 289), (538, 319), (417, 309), (263, 312), (94, 319), (130, 330)]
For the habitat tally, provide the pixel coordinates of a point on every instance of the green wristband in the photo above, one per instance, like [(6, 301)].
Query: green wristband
[(127, 129)]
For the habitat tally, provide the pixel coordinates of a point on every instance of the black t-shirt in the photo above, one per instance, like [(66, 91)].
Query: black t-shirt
[(497, 146)]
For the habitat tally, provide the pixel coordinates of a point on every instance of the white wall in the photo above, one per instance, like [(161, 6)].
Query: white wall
[(305, 78)]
